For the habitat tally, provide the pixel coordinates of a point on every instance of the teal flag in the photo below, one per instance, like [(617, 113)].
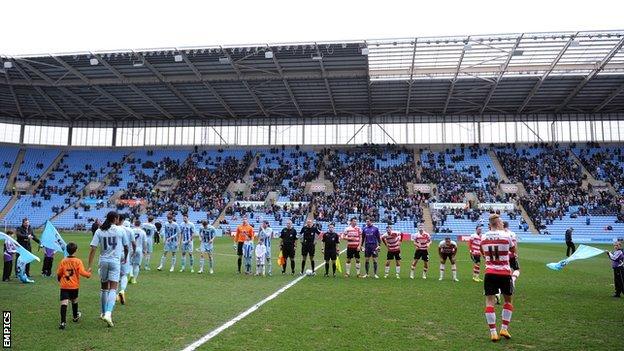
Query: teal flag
[(25, 256), (583, 252), (51, 239)]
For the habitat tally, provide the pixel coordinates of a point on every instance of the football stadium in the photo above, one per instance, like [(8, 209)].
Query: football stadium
[(445, 192)]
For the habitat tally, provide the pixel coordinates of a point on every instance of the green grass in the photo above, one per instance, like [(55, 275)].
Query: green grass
[(569, 310)]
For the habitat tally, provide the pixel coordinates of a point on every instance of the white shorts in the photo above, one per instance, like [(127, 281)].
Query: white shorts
[(149, 245), (206, 247), (109, 271), (171, 246), (187, 247), (137, 258)]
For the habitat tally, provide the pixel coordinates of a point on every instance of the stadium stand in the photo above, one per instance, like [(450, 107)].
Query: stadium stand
[(7, 158)]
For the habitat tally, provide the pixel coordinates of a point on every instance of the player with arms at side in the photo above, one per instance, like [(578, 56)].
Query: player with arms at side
[(140, 238), (206, 235), (422, 241), (113, 245), (392, 240), (371, 239), (353, 235), (308, 235), (513, 256), (266, 234), (331, 240), (474, 245), (496, 247), (447, 249), (288, 242), (244, 235), (187, 231), (150, 232), (171, 241), (126, 269)]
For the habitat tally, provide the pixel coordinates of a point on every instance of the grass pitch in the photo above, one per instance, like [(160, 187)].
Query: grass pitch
[(571, 310)]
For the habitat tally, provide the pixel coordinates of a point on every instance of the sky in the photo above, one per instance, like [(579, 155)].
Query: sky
[(61, 26)]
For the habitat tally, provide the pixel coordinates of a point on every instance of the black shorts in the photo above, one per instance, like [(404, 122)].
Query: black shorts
[(239, 248), (69, 294), (513, 263), (421, 254), (330, 255), (445, 256), (351, 253), (393, 255), (370, 251), (308, 250), (288, 251), (495, 283), (475, 258)]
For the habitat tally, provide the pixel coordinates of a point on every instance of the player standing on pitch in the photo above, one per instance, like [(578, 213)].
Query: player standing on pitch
[(244, 234), (496, 247), (266, 234), (187, 231), (288, 240), (140, 239), (171, 242), (331, 249), (422, 241), (447, 249), (126, 268), (392, 240), (474, 245), (308, 235), (513, 256), (371, 239), (150, 233), (353, 235), (206, 235), (113, 244)]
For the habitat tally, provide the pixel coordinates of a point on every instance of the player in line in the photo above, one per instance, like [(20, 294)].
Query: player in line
[(513, 257), (371, 240), (392, 240), (126, 268), (496, 247), (288, 242), (113, 245), (171, 242), (474, 245), (308, 235), (68, 274), (206, 235), (150, 232), (244, 235), (447, 249), (422, 241), (266, 234), (187, 232), (140, 238), (331, 239), (353, 235)]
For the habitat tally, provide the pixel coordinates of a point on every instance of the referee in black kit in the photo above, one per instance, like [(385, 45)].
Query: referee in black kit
[(308, 235)]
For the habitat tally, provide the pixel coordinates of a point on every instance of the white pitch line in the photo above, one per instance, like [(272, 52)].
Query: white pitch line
[(204, 339)]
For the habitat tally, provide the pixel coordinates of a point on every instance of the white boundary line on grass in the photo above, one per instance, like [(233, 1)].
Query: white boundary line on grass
[(204, 339)]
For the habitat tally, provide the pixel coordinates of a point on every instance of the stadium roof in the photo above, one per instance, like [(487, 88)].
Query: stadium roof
[(528, 73)]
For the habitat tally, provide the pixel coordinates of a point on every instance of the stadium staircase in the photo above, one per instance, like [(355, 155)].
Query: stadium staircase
[(107, 180), (247, 179), (428, 221), (33, 187), (589, 178), (521, 190), (45, 174), (15, 169)]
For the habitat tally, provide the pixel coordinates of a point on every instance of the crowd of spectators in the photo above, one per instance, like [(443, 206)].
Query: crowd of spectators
[(368, 189), (553, 182), (297, 212), (289, 170), (606, 164)]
